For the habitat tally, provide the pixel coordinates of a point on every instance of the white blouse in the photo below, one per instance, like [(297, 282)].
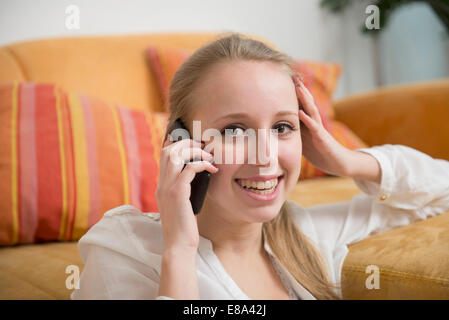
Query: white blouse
[(122, 252)]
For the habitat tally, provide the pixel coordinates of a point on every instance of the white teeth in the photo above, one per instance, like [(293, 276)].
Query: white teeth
[(259, 187), (262, 191)]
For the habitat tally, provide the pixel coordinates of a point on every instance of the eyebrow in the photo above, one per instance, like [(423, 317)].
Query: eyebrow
[(246, 115)]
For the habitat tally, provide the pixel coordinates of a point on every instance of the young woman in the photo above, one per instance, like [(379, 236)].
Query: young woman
[(249, 241)]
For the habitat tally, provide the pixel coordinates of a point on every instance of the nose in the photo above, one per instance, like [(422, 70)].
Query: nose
[(267, 151)]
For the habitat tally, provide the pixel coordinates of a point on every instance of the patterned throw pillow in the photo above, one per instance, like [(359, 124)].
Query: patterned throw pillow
[(164, 62), (68, 158), (319, 78)]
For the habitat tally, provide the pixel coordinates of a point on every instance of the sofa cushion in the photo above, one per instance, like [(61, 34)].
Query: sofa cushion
[(164, 62), (38, 271), (68, 158), (320, 79), (413, 260), (108, 66), (415, 115)]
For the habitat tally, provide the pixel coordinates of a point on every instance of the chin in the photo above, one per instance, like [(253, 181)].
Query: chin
[(263, 214), (252, 213)]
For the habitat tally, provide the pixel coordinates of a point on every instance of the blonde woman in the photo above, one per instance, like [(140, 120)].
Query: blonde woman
[(249, 241)]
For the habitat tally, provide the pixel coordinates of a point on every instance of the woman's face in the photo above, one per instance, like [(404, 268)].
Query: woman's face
[(254, 95)]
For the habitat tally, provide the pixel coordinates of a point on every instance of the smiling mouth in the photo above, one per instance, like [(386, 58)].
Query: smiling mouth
[(259, 186)]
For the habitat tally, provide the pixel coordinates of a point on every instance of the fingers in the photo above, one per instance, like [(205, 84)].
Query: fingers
[(174, 147), (188, 154), (187, 149), (306, 101), (168, 140), (192, 168), (174, 156), (308, 121)]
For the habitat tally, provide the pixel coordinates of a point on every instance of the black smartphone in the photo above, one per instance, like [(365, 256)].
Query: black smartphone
[(199, 184)]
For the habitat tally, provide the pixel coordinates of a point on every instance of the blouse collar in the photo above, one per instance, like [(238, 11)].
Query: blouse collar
[(205, 249)]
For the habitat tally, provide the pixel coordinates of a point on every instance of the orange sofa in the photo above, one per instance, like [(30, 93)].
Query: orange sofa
[(413, 260)]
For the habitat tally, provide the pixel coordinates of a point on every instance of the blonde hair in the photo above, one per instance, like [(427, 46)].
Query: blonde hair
[(287, 242)]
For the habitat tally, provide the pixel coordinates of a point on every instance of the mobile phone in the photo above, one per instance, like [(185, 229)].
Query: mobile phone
[(199, 184)]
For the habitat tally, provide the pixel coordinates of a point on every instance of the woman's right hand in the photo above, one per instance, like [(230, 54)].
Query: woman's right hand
[(179, 224)]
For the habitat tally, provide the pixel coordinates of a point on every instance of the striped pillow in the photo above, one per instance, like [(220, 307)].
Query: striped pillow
[(67, 158), (320, 79), (164, 62)]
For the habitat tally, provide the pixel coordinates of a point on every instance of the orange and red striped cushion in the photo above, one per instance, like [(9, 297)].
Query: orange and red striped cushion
[(319, 78), (67, 158), (164, 62)]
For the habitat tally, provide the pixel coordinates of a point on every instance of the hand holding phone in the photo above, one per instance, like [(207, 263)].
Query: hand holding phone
[(201, 181), (178, 197)]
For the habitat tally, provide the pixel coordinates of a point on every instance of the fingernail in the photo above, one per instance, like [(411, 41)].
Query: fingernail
[(212, 162)]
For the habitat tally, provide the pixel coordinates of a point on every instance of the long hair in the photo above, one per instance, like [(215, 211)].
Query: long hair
[(288, 243)]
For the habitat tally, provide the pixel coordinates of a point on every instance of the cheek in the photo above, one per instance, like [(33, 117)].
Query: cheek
[(221, 182), (290, 161), (232, 152)]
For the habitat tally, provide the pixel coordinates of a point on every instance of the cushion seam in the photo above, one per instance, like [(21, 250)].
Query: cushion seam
[(18, 63)]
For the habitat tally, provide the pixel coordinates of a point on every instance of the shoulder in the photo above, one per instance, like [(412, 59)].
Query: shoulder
[(126, 230), (298, 213), (128, 209), (321, 223), (302, 219)]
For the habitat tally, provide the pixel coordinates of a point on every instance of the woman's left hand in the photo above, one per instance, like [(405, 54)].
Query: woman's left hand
[(318, 145)]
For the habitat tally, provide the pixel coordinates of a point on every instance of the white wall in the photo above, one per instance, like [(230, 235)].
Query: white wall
[(299, 27), (414, 47)]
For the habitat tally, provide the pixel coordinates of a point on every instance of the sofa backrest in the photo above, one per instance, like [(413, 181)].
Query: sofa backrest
[(412, 114), (113, 68)]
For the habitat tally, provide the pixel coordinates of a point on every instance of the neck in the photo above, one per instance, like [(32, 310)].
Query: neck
[(230, 237)]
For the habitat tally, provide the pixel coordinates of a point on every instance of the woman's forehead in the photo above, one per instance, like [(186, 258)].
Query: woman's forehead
[(246, 77), (253, 88)]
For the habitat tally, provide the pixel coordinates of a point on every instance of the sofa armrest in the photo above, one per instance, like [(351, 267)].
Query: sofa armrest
[(415, 115), (412, 260)]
